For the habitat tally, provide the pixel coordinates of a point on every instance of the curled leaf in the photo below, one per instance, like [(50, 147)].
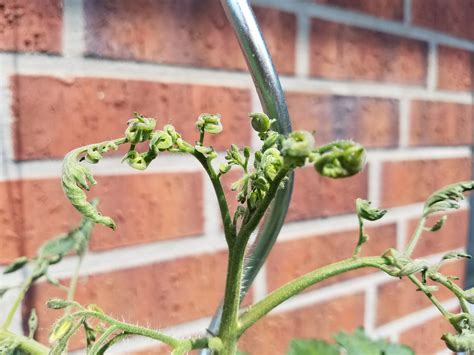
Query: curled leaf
[(210, 123), (160, 141), (60, 329), (447, 198), (456, 255), (76, 178), (298, 145), (438, 225), (139, 128), (459, 342), (365, 211), (412, 267), (271, 163), (339, 159)]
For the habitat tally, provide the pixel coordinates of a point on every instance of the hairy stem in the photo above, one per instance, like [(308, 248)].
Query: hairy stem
[(430, 296), (29, 346), (101, 341), (415, 237), (21, 295), (73, 284), (292, 288), (220, 195), (229, 324), (130, 328)]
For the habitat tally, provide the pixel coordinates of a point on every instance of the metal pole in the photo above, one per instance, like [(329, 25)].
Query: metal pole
[(240, 15)]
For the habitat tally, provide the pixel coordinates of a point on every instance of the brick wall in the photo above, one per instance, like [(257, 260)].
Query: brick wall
[(395, 75)]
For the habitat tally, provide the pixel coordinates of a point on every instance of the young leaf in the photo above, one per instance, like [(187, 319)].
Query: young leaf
[(339, 159), (312, 347), (447, 198), (16, 264), (365, 211), (438, 225)]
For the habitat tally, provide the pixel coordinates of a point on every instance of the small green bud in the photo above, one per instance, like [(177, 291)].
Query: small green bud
[(92, 155), (172, 132), (297, 148), (135, 160), (139, 128), (438, 225), (57, 303), (224, 168), (160, 141), (259, 182), (60, 329), (365, 211), (271, 163), (339, 159), (209, 123), (32, 323), (270, 140), (260, 121)]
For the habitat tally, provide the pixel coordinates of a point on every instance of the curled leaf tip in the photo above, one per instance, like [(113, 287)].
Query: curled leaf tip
[(339, 159), (139, 128), (75, 179), (447, 198), (210, 123), (366, 211)]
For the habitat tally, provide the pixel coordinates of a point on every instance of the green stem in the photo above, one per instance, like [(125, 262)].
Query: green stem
[(24, 288), (223, 207), (73, 284), (29, 346), (430, 296), (361, 240), (261, 308), (414, 239), (103, 338), (130, 328), (230, 310)]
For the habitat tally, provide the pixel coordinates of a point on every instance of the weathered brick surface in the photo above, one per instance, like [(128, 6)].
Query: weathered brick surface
[(440, 123), (191, 32), (81, 111), (389, 9), (31, 26), (454, 17), (405, 182), (453, 235), (146, 207), (294, 258), (370, 121), (317, 196), (408, 299), (455, 69), (157, 295), (10, 205), (272, 334), (344, 52), (426, 338)]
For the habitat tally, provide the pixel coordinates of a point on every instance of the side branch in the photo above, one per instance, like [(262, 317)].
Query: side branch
[(260, 309)]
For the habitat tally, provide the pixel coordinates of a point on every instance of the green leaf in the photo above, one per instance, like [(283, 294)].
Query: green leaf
[(16, 264), (312, 347), (447, 198), (359, 344), (438, 225), (365, 211), (339, 159)]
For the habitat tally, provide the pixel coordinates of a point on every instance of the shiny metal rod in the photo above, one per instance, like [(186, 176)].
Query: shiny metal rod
[(240, 15)]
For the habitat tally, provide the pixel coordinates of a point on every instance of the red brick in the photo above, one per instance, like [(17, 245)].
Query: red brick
[(157, 295), (81, 111), (408, 299), (440, 123), (426, 338), (344, 52), (10, 232), (294, 258), (31, 26), (272, 334), (337, 117), (389, 9), (152, 209), (454, 17), (411, 181), (455, 69), (191, 32), (317, 196), (453, 235)]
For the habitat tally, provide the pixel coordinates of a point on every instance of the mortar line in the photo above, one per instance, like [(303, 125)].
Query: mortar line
[(404, 123), (302, 46), (73, 28), (407, 12), (432, 70)]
